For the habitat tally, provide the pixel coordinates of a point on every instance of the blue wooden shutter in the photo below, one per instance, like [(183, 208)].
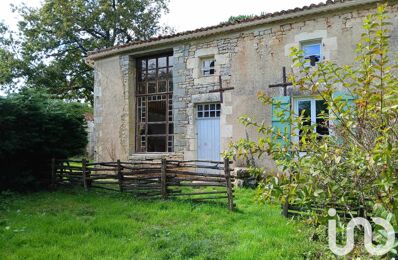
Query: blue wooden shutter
[(348, 100), (280, 117), (345, 97)]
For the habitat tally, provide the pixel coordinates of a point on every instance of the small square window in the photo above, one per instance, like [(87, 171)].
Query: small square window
[(209, 110), (208, 67), (312, 52)]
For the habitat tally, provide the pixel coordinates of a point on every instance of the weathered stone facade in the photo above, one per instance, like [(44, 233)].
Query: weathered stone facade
[(247, 59)]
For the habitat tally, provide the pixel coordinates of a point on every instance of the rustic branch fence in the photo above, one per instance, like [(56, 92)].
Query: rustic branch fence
[(346, 211), (196, 180)]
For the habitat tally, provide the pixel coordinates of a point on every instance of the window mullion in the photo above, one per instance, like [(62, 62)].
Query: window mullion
[(313, 113)]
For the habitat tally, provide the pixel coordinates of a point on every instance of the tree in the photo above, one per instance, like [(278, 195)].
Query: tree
[(357, 166), (55, 38), (33, 129), (9, 65)]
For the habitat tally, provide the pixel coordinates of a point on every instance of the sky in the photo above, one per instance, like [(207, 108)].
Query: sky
[(188, 14)]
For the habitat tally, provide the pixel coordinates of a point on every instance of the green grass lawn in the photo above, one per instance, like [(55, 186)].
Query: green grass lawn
[(73, 224)]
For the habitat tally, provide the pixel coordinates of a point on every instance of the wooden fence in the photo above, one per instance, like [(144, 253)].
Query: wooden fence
[(196, 180), (346, 211)]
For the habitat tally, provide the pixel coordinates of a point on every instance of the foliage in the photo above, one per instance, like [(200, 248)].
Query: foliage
[(54, 40), (355, 167), (9, 65), (238, 18), (241, 17), (33, 129), (76, 224)]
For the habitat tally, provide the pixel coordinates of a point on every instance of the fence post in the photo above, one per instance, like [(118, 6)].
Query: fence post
[(285, 206), (84, 170), (163, 178), (120, 175), (229, 184), (53, 174), (285, 209)]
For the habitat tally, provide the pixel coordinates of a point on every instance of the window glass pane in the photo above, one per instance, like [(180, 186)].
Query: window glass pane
[(156, 144), (312, 49), (157, 111), (321, 107), (141, 128), (322, 111), (200, 114), (151, 75), (162, 74), (170, 85), (162, 86), (322, 126), (171, 61), (141, 88), (162, 62), (141, 76), (143, 65), (151, 87), (171, 129), (156, 129), (152, 64), (208, 67), (312, 52), (304, 108)]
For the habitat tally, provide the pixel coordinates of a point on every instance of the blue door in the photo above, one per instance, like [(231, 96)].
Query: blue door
[(208, 131)]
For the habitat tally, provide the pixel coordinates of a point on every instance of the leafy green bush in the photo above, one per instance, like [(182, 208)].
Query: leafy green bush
[(354, 168), (33, 129)]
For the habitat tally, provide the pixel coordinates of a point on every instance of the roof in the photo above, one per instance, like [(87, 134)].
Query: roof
[(329, 5)]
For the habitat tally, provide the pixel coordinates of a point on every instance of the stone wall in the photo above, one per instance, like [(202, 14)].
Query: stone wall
[(251, 60), (113, 108), (247, 60)]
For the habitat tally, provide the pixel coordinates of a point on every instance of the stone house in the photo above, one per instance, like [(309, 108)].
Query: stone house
[(159, 97)]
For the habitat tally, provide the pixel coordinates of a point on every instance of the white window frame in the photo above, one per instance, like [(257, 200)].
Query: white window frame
[(313, 113), (203, 68), (312, 43)]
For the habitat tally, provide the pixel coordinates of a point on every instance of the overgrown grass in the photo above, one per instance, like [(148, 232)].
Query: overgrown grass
[(77, 225)]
